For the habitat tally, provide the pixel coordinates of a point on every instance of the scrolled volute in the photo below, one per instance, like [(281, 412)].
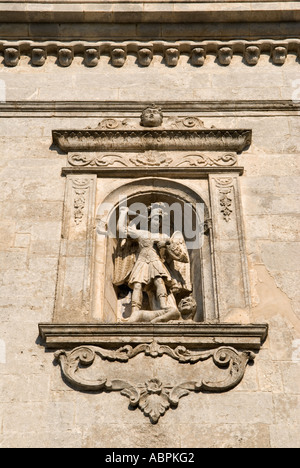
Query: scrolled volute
[(153, 397)]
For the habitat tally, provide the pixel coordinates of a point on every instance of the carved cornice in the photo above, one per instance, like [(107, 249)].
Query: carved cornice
[(195, 335), (94, 108), (152, 139), (169, 52)]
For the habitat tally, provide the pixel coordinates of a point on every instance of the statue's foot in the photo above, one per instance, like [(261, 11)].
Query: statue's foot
[(136, 316)]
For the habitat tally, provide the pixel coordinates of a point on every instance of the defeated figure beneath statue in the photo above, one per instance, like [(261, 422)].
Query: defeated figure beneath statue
[(186, 311)]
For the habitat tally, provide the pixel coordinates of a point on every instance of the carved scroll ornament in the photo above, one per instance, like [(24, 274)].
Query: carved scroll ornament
[(153, 397), (153, 159)]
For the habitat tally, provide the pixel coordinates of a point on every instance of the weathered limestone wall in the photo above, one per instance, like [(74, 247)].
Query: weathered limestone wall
[(37, 409)]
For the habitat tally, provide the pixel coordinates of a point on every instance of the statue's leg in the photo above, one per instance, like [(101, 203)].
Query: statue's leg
[(136, 302), (161, 292), (137, 297)]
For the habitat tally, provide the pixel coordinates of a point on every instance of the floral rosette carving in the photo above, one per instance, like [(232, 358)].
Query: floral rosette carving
[(152, 159)]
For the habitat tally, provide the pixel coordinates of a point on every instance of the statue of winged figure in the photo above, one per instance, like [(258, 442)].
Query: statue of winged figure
[(151, 262)]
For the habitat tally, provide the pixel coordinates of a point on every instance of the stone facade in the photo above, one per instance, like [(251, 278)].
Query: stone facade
[(70, 70)]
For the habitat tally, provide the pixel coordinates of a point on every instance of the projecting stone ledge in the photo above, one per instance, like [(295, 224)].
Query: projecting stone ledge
[(158, 139), (198, 335)]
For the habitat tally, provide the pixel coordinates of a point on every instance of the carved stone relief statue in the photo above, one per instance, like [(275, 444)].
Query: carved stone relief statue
[(153, 264), (148, 291)]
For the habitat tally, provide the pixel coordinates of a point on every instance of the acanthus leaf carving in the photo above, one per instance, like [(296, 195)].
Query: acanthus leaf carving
[(70, 362), (202, 160), (87, 159), (154, 400)]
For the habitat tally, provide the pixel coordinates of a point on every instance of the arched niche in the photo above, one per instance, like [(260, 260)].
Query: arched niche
[(111, 304)]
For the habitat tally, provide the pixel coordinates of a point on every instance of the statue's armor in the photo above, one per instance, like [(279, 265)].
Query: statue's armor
[(148, 264)]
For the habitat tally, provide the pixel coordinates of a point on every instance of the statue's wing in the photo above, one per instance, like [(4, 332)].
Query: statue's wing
[(124, 260), (179, 264)]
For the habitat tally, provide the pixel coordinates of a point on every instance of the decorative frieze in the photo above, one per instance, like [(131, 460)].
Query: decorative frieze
[(154, 397), (153, 159), (91, 52)]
